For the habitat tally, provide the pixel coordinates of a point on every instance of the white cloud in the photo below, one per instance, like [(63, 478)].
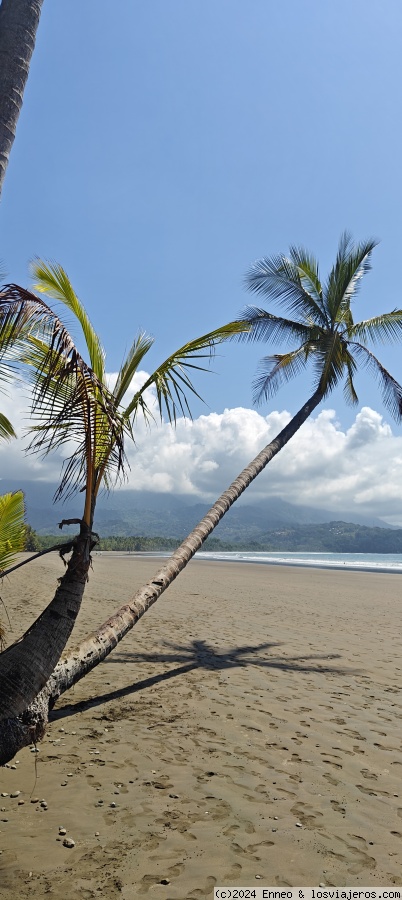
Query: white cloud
[(358, 469)]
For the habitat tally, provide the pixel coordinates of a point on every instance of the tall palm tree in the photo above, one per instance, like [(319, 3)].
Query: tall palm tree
[(324, 332), (19, 20), (72, 404)]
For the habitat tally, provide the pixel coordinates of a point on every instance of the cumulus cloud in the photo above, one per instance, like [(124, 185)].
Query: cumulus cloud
[(324, 465)]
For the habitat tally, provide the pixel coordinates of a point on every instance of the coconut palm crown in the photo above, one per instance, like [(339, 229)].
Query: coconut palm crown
[(321, 328), (99, 453)]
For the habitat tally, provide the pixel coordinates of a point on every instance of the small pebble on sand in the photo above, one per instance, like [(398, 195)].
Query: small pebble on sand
[(68, 842)]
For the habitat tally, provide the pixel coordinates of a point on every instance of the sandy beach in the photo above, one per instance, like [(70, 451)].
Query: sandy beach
[(250, 725)]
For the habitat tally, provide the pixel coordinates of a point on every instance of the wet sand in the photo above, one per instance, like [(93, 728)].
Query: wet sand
[(250, 725)]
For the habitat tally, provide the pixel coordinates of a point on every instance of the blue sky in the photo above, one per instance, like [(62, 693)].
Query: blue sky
[(163, 147)]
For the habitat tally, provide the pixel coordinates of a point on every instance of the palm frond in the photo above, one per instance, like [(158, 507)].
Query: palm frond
[(265, 326), (6, 429), (391, 390), (385, 327), (171, 380), (23, 317), (12, 528), (276, 370), (52, 279), (134, 358), (352, 262), (349, 391), (329, 362), (308, 269), (281, 280), (72, 407)]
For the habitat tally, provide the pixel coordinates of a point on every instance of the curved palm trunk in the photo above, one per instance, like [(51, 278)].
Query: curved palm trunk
[(26, 666), (30, 726), (97, 646), (19, 20)]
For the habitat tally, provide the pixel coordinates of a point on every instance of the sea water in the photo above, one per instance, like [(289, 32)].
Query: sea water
[(367, 562), (376, 562)]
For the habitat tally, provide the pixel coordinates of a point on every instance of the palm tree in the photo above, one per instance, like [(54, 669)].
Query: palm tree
[(324, 332), (31, 332), (19, 20), (73, 404)]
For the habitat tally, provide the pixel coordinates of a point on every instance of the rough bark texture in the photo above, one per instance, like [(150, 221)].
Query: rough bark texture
[(28, 728), (19, 20), (26, 665), (17, 733)]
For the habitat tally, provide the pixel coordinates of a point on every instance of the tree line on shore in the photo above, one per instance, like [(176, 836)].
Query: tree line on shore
[(329, 537)]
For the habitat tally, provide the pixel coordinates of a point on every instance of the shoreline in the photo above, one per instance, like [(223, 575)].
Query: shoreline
[(155, 554)]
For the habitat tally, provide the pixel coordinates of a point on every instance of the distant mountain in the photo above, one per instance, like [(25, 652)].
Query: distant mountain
[(145, 513), (329, 537)]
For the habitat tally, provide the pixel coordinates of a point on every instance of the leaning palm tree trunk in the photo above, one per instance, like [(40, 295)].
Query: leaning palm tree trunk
[(19, 20), (26, 665), (97, 646), (31, 725)]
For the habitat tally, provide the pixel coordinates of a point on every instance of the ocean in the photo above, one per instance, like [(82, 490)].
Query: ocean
[(366, 562)]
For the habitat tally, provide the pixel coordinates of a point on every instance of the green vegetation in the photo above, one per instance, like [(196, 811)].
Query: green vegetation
[(330, 537)]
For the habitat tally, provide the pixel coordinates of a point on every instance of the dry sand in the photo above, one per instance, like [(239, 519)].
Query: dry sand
[(250, 725)]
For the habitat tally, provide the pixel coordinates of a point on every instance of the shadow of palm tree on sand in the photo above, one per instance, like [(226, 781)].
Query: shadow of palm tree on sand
[(201, 655)]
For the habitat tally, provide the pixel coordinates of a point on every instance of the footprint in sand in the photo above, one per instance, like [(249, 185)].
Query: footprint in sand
[(205, 891), (232, 877), (332, 763), (254, 850), (337, 807), (331, 780), (307, 815)]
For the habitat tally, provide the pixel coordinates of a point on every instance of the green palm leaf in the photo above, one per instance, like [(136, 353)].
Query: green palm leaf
[(352, 262), (349, 391), (323, 322), (52, 279), (391, 390), (274, 371), (282, 280), (386, 327), (12, 528), (266, 326), (6, 429), (134, 358), (171, 379)]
